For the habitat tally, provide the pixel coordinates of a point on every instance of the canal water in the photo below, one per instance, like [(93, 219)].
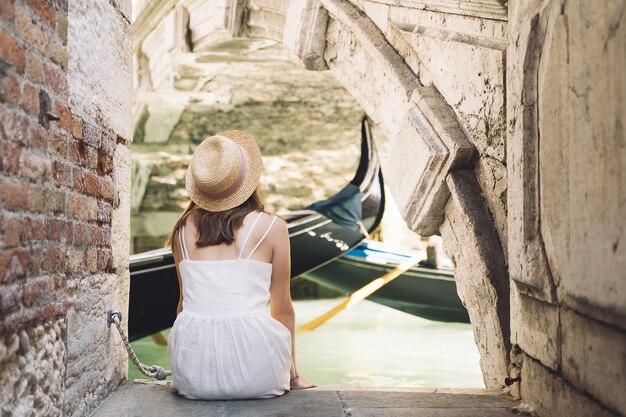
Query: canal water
[(370, 346)]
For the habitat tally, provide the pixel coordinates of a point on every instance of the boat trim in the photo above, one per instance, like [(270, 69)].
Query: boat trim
[(156, 268), (431, 274), (315, 226), (308, 219)]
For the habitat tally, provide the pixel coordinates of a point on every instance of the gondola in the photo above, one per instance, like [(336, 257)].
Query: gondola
[(423, 290), (319, 234)]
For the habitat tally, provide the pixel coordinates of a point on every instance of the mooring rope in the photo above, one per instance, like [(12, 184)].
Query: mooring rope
[(153, 371)]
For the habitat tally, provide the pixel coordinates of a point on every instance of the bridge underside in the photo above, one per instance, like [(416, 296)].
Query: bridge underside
[(489, 107)]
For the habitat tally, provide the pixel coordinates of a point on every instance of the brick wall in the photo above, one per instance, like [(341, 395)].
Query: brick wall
[(57, 191)]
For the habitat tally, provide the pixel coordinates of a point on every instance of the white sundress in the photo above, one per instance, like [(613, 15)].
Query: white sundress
[(224, 344)]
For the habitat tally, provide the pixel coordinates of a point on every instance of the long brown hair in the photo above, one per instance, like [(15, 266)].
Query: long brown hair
[(218, 227)]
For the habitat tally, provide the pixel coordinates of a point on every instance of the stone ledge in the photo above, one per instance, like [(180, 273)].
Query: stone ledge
[(158, 399)]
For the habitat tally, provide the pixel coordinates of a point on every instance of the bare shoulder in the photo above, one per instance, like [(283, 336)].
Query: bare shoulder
[(279, 230), (280, 224)]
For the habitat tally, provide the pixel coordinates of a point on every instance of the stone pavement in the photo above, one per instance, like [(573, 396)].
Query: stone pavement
[(157, 399)]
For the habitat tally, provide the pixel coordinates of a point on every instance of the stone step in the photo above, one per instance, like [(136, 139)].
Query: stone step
[(156, 399)]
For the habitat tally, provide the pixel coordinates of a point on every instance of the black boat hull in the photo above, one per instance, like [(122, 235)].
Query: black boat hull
[(421, 291)]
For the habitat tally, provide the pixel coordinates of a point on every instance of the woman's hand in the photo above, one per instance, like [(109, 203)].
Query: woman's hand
[(301, 383)]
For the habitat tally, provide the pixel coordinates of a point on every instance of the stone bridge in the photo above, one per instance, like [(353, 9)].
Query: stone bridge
[(437, 123), (506, 126)]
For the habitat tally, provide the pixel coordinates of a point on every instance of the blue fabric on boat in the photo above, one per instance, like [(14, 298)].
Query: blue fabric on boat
[(344, 208)]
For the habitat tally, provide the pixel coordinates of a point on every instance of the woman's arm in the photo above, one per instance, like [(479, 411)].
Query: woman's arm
[(281, 306)]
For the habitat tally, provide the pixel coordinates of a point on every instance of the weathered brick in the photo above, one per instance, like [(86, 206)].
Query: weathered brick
[(77, 126), (56, 309), (30, 98), (74, 260), (61, 173), (44, 10), (56, 80), (105, 163), (53, 259), (104, 212), (30, 32), (10, 298), (57, 229), (13, 264), (57, 144), (10, 232), (61, 28), (78, 181), (105, 259), (65, 115), (86, 182), (92, 209), (7, 10), (79, 234), (60, 286), (34, 261), (10, 158), (91, 135), (10, 90), (38, 290), (10, 51), (13, 194), (57, 53), (77, 152), (106, 236), (14, 126), (107, 144), (107, 188), (92, 259), (35, 166), (91, 184), (55, 200), (78, 206), (36, 137), (95, 235), (33, 229), (92, 158), (34, 67), (36, 198)]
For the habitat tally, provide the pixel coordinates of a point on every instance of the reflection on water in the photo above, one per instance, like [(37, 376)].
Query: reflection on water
[(371, 345)]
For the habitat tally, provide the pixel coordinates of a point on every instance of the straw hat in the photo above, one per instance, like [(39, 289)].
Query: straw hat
[(224, 171)]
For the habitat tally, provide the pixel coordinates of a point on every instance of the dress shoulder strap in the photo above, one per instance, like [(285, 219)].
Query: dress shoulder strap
[(181, 241), (263, 237), (245, 241)]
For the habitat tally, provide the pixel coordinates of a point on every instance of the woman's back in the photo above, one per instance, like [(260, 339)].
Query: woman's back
[(249, 241), (224, 344)]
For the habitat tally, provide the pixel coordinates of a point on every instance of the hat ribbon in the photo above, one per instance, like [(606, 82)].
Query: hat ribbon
[(242, 174)]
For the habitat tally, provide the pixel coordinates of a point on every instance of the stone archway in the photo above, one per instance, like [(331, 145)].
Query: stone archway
[(465, 125), (433, 178)]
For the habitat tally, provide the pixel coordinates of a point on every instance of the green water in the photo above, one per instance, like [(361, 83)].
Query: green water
[(370, 345)]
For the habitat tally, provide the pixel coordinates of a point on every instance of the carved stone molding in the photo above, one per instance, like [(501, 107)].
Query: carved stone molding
[(427, 139), (489, 9), (305, 31), (528, 264)]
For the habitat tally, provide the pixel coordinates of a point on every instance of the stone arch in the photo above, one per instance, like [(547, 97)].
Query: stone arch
[(432, 180)]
